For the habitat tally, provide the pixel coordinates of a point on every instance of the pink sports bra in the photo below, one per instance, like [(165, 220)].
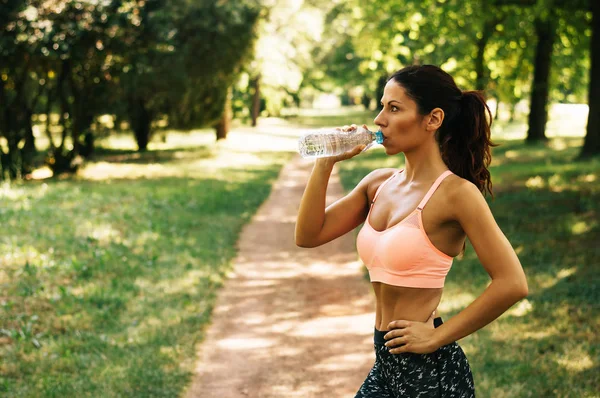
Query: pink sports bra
[(403, 255)]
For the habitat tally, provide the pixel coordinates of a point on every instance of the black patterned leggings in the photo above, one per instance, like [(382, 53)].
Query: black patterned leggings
[(443, 373)]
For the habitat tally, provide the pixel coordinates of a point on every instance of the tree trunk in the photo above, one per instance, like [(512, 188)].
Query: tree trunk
[(480, 64), (538, 113), (13, 156), (255, 99), (16, 127), (83, 138), (28, 152), (224, 124), (83, 117), (2, 167), (381, 82), (84, 142), (366, 101), (19, 161), (88, 146), (58, 159), (513, 111), (591, 145), (496, 114), (140, 120)]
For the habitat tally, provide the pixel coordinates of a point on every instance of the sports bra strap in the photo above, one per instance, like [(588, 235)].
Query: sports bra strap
[(435, 185), (383, 183)]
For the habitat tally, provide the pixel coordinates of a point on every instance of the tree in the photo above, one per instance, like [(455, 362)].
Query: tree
[(547, 18), (338, 62), (591, 144), (217, 39), (148, 65), (545, 28), (19, 88), (453, 34), (284, 61), (55, 63), (75, 61)]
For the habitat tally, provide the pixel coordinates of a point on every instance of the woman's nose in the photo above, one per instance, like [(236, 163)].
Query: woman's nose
[(378, 119)]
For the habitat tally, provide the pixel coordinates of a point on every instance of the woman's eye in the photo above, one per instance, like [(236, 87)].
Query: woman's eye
[(394, 109)]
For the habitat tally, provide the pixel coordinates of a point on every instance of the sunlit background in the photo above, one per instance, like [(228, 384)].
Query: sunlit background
[(151, 71), (138, 138)]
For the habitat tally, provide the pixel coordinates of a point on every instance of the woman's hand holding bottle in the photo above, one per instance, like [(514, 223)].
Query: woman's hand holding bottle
[(348, 154)]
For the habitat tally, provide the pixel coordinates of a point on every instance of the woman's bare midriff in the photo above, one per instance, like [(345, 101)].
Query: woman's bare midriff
[(407, 303)]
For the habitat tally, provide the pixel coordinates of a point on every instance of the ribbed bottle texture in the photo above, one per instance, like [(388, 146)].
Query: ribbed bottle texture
[(331, 142)]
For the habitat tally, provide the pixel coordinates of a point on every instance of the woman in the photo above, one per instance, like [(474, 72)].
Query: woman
[(416, 220)]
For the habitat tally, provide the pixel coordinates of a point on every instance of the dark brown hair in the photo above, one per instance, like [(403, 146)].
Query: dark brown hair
[(464, 136)]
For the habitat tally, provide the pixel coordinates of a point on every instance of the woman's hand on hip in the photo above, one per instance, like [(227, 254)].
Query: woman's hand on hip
[(411, 336)]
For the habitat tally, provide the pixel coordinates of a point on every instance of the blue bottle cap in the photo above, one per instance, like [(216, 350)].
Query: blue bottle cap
[(379, 137)]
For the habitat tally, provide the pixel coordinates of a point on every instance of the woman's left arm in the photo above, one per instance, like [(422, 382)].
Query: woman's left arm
[(499, 259)]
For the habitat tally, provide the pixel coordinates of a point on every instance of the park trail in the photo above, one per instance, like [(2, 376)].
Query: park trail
[(289, 322)]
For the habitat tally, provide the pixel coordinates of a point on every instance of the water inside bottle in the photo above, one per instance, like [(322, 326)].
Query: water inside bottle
[(324, 144), (312, 145)]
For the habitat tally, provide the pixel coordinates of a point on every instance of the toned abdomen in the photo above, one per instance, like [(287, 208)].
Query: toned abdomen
[(407, 303)]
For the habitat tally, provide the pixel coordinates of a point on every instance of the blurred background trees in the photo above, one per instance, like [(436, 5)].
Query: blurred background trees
[(188, 64), (65, 63)]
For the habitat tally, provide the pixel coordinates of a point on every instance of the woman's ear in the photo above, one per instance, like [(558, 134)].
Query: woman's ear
[(436, 117)]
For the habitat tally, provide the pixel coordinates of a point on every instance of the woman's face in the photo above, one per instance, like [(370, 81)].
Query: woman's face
[(399, 120)]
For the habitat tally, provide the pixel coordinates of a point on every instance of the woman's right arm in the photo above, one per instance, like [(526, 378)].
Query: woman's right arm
[(317, 225)]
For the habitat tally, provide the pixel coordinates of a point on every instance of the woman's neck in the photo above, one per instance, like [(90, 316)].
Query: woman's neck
[(424, 164)]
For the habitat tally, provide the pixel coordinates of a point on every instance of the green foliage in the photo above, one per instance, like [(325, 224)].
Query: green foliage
[(571, 58), (382, 36), (139, 60), (217, 39), (148, 61), (511, 56), (288, 33), (338, 64)]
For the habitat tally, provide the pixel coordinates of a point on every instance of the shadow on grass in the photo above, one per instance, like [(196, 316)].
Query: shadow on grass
[(151, 156)]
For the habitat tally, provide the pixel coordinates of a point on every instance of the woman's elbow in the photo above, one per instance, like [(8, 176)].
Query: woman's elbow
[(303, 242), (524, 290), (514, 289), (521, 289)]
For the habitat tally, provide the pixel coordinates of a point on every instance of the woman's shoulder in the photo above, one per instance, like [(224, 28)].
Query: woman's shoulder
[(383, 173), (375, 178), (378, 176), (460, 192), (456, 185)]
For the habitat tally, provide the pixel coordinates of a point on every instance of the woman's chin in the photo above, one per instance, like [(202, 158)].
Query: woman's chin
[(391, 150)]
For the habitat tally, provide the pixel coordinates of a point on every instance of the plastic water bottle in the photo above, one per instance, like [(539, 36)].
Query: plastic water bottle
[(331, 142)]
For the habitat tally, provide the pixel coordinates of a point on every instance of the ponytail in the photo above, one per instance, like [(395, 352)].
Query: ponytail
[(466, 143), (464, 136)]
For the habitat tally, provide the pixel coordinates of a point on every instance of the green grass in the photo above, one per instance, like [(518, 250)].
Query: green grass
[(548, 205), (108, 278)]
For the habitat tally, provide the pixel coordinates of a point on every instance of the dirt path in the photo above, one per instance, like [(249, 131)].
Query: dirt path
[(289, 322)]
